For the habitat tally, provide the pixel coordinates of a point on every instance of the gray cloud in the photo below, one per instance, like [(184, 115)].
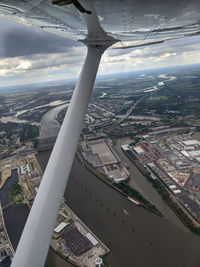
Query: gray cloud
[(18, 40), (27, 54), (75, 56), (174, 46)]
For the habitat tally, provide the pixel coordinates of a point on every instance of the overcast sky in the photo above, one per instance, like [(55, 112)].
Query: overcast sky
[(29, 55)]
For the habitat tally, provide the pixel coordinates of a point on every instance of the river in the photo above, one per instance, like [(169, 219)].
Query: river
[(14, 118), (135, 237), (139, 182), (49, 126), (159, 84)]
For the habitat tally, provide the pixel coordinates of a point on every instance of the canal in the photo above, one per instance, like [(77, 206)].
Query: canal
[(135, 236), (14, 216), (4, 192)]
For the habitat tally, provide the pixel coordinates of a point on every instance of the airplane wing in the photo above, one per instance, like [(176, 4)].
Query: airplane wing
[(99, 24), (127, 21)]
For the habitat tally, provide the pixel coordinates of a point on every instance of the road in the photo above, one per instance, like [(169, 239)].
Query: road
[(129, 111)]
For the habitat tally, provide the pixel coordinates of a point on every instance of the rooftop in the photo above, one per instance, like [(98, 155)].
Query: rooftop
[(191, 143)]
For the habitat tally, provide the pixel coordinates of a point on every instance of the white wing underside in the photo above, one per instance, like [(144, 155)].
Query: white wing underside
[(133, 22)]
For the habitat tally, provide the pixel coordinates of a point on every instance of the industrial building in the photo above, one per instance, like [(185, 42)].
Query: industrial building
[(194, 153), (190, 143), (25, 169), (60, 228), (102, 156), (92, 239), (138, 149)]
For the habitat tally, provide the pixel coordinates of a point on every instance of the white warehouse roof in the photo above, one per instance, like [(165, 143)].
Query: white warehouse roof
[(191, 143), (92, 239), (138, 149), (172, 186), (125, 147), (195, 153), (185, 153), (198, 158), (177, 191), (60, 227)]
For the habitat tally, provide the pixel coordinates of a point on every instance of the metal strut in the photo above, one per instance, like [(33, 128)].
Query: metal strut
[(35, 239)]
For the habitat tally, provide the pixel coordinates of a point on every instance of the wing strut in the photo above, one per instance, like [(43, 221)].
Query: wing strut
[(34, 243)]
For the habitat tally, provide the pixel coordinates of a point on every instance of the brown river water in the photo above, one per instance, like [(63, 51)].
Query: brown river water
[(135, 236)]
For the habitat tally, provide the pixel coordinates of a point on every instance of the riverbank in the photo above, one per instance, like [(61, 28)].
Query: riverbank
[(5, 175), (122, 187), (139, 181), (165, 193), (184, 216), (134, 235), (67, 248), (4, 191), (6, 245)]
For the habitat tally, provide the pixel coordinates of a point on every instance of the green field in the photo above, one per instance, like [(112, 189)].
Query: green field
[(158, 98)]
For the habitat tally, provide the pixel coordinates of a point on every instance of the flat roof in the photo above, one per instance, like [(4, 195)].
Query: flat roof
[(60, 227), (92, 239), (101, 148), (194, 153), (172, 186), (125, 147), (177, 191), (191, 142), (185, 153), (138, 149), (198, 158)]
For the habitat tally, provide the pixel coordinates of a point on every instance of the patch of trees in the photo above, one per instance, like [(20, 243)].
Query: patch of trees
[(15, 193), (61, 115), (28, 132), (35, 143), (177, 209), (15, 189), (104, 262), (136, 140), (128, 190)]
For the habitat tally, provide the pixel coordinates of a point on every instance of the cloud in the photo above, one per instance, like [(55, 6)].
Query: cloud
[(19, 40), (179, 52), (28, 55), (72, 59), (23, 65), (164, 56)]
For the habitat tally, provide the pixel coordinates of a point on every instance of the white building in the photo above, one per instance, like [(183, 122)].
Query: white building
[(191, 143), (25, 169), (92, 239), (60, 227), (138, 149)]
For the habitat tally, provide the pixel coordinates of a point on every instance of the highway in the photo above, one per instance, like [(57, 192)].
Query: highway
[(129, 111)]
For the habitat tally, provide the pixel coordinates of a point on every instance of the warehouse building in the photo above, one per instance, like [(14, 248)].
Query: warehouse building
[(60, 228), (102, 156), (25, 169)]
